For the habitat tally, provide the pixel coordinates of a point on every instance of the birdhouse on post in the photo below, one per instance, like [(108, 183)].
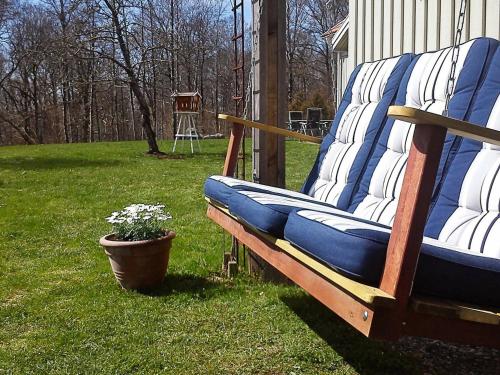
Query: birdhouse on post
[(187, 107)]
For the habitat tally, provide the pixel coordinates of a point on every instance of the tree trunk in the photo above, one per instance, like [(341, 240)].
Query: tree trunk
[(65, 107), (132, 112), (20, 130), (36, 106), (147, 116), (87, 111), (134, 83)]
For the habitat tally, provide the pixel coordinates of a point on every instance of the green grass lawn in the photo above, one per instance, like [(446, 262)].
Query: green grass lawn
[(61, 311)]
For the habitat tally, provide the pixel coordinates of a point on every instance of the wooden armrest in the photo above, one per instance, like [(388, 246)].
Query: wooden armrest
[(270, 129), (457, 127)]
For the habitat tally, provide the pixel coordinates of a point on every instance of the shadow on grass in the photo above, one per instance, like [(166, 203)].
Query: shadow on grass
[(365, 355), (48, 163), (199, 287)]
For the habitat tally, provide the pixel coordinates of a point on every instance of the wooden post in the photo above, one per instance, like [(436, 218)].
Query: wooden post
[(270, 90), (269, 106), (411, 215)]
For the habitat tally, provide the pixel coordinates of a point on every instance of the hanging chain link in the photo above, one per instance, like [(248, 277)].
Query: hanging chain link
[(455, 53)]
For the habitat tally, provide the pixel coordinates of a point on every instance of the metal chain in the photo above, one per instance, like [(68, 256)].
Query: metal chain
[(454, 55), (255, 35)]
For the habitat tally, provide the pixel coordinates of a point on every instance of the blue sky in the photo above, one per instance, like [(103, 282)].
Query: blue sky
[(247, 4)]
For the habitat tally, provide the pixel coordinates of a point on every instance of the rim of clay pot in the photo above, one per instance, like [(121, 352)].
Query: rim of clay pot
[(107, 241)]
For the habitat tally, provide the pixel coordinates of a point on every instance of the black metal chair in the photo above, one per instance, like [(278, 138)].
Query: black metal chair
[(312, 122), (295, 119)]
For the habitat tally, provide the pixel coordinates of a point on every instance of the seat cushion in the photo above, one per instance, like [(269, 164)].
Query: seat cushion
[(269, 212), (449, 272), (221, 188), (357, 248), (352, 247)]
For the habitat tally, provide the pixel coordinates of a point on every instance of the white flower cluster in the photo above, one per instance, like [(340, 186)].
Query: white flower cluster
[(139, 212)]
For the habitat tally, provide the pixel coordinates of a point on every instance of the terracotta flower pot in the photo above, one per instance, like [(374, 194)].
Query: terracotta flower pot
[(138, 264)]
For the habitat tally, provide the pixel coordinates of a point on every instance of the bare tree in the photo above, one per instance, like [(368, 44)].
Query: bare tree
[(92, 70), (115, 8)]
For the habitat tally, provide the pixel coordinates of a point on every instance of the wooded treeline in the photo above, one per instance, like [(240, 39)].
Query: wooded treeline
[(96, 70)]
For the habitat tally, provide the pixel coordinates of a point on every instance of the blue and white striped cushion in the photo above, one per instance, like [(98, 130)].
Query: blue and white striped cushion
[(466, 213), (346, 148), (343, 153), (460, 254), (475, 223), (378, 193)]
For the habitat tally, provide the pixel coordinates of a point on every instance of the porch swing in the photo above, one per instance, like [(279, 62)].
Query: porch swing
[(396, 229)]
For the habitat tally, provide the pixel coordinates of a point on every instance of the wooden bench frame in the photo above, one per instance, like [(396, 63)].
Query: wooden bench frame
[(389, 311)]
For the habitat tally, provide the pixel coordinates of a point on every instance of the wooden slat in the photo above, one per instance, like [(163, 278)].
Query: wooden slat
[(492, 26), (360, 24), (408, 27), (365, 293), (454, 310), (378, 25), (451, 328), (457, 127), (447, 23), (353, 35), (270, 129), (398, 27), (421, 27)]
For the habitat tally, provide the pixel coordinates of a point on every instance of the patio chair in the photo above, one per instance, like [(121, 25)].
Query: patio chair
[(312, 123), (295, 119)]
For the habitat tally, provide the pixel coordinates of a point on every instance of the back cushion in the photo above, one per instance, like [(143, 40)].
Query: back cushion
[(363, 110), (424, 86), (466, 213)]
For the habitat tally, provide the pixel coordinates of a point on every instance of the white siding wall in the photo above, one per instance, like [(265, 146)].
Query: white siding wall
[(384, 28)]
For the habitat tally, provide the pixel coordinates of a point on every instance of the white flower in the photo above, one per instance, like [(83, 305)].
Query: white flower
[(139, 221), (164, 217), (140, 211)]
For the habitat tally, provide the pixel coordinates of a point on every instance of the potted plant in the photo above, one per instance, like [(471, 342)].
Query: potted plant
[(139, 246)]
